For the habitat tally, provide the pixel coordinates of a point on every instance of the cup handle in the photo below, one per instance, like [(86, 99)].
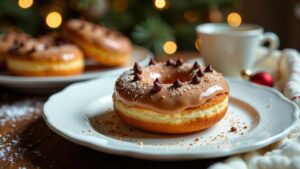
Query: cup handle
[(273, 39)]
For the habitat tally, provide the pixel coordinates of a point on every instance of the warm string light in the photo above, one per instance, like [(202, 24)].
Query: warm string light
[(25, 3), (170, 47), (160, 4), (234, 19), (54, 19)]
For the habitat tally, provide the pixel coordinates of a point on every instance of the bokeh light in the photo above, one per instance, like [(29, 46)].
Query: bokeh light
[(234, 19), (160, 4), (54, 19), (170, 47), (198, 44), (25, 3)]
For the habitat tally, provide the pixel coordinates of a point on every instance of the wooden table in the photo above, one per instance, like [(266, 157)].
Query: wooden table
[(27, 142)]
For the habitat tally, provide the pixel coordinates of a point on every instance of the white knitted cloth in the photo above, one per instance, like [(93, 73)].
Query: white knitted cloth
[(284, 154)]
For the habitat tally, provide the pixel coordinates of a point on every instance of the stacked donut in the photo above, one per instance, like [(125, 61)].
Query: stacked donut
[(63, 54), (171, 97)]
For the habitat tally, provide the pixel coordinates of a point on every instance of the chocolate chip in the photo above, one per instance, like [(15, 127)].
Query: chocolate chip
[(137, 68), (137, 77), (17, 45), (170, 62), (157, 86), (152, 62), (233, 129), (208, 69), (200, 73), (156, 80), (177, 83), (196, 65), (195, 80), (179, 62)]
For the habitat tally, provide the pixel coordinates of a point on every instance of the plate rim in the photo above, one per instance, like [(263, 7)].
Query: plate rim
[(82, 139)]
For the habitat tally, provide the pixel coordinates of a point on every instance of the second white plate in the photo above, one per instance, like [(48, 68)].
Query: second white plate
[(45, 84), (83, 113)]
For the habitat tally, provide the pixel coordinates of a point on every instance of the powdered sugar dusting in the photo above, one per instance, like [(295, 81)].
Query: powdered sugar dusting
[(18, 110), (10, 115)]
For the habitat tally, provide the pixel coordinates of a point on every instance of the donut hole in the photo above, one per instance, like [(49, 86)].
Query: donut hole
[(170, 78)]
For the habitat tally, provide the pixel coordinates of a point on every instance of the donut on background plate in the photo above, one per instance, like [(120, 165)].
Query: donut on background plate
[(35, 58), (172, 97), (7, 40), (107, 47)]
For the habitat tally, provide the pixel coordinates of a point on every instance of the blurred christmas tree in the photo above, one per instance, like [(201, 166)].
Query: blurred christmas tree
[(151, 23)]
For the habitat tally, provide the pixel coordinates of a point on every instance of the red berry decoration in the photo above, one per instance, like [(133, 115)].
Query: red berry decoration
[(262, 78)]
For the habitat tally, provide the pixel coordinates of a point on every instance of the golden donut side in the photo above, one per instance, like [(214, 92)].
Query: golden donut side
[(190, 120)]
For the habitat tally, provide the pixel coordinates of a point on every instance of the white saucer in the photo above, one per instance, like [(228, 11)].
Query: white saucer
[(82, 113), (45, 84)]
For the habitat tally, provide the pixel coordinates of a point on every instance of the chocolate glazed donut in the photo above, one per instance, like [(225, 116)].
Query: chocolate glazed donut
[(107, 47), (8, 41), (36, 58), (171, 97)]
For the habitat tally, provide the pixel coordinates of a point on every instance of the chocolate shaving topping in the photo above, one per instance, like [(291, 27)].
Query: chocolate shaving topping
[(157, 86), (59, 41), (177, 83), (195, 80), (32, 50), (170, 62), (137, 68), (137, 77), (196, 65), (152, 62), (208, 69), (17, 45), (81, 26), (179, 62), (200, 73)]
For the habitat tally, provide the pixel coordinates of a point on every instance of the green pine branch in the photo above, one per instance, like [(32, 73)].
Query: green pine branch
[(153, 33)]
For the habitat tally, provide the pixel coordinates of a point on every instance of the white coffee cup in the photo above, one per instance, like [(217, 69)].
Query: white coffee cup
[(232, 49)]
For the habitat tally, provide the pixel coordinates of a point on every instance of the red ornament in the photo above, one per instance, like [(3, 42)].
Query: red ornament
[(262, 78)]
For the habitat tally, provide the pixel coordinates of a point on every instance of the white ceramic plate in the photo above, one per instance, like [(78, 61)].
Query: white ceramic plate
[(36, 84), (82, 113)]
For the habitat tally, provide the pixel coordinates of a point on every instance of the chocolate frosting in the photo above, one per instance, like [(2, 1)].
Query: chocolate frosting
[(34, 49), (98, 35), (8, 40), (169, 99)]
